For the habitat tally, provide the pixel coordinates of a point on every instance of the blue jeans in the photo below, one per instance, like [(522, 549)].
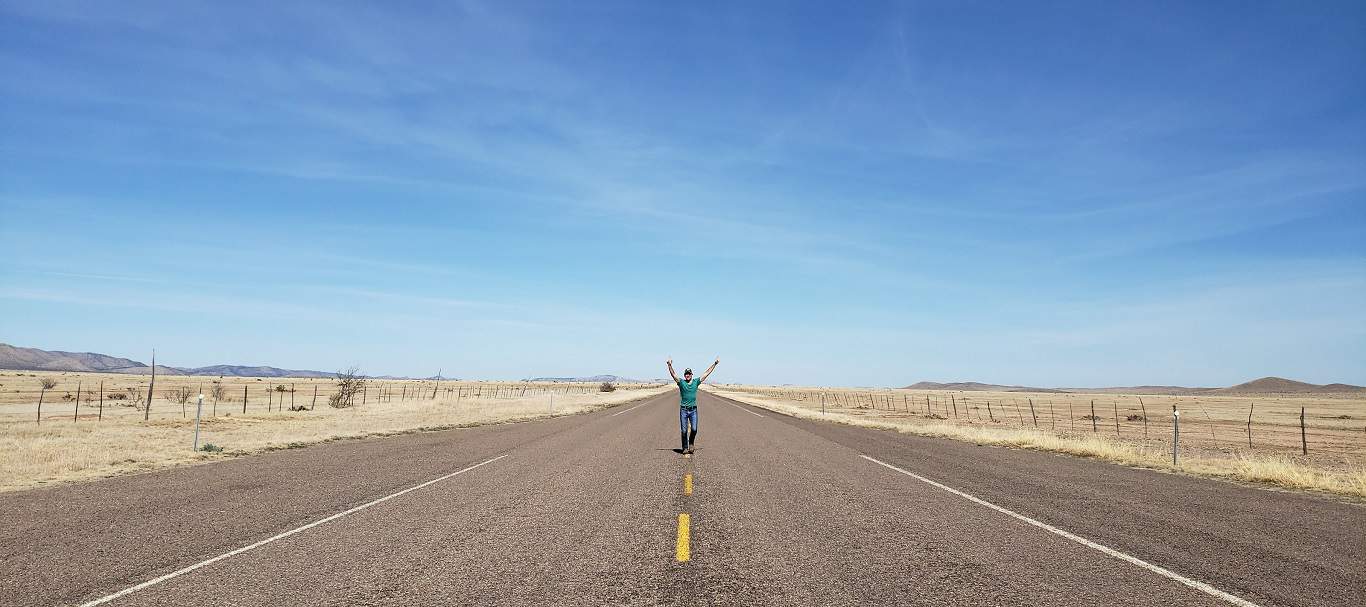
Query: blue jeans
[(687, 418)]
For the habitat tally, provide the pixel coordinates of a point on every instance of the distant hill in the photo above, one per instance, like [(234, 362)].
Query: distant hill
[(616, 379), (1265, 385), (1153, 390), (33, 359), (245, 371), (1279, 385), (972, 386)]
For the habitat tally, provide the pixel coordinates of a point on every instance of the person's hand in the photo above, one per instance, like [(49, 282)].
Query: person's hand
[(670, 362), (716, 362)]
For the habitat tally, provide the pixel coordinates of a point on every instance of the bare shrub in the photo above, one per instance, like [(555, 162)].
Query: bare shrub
[(349, 384), (607, 386), (180, 395), (136, 397), (217, 390)]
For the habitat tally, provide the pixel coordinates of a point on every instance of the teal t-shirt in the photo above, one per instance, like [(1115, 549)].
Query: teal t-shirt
[(687, 393)]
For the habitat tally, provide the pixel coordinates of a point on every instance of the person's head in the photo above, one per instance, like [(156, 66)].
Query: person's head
[(687, 375)]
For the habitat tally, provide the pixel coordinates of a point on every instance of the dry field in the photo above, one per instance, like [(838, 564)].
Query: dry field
[(104, 440), (1130, 429)]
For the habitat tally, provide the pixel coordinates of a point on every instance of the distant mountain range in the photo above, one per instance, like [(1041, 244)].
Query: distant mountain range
[(1265, 385), (616, 379), (33, 359)]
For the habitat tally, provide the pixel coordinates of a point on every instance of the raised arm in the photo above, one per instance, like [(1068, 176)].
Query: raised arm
[(671, 369), (709, 370)]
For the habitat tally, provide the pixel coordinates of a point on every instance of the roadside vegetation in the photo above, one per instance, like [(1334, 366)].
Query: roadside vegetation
[(1339, 469), (110, 437)]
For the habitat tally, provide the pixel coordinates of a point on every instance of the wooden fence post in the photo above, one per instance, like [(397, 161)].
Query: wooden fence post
[(1304, 441), (78, 402), (1116, 406), (955, 406), (101, 414), (1032, 414), (147, 408), (1052, 419), (989, 413), (1208, 419), (1093, 416), (1249, 424), (315, 398), (1144, 413), (244, 400)]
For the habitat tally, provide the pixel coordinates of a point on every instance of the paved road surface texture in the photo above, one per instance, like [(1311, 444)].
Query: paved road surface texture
[(599, 509)]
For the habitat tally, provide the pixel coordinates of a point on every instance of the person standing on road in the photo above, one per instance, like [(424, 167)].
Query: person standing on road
[(687, 403)]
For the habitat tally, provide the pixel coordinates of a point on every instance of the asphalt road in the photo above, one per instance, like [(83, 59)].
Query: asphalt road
[(585, 510)]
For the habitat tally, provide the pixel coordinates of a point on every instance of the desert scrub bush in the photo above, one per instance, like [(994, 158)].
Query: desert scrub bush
[(349, 384), (607, 386), (212, 448)]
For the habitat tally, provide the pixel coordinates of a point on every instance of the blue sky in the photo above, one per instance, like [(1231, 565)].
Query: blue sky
[(1062, 194)]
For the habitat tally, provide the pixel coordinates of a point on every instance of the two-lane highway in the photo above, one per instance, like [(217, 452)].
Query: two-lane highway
[(588, 510)]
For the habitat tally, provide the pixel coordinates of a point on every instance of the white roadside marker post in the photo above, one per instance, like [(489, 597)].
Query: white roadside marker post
[(1176, 433), (199, 408)]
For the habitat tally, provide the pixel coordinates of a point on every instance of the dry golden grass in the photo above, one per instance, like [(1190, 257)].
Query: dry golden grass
[(1346, 476), (60, 450)]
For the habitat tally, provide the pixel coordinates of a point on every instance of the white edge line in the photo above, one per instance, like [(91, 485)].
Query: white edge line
[(1162, 571), (727, 401), (628, 410), (180, 572)]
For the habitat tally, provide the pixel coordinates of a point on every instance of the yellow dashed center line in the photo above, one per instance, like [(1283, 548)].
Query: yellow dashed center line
[(687, 484), (682, 552)]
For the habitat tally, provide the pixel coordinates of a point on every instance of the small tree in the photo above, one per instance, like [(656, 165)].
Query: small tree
[(349, 383), (47, 383), (180, 395), (217, 391)]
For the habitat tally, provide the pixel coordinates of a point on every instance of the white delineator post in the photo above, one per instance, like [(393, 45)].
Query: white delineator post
[(1176, 433), (199, 408)]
